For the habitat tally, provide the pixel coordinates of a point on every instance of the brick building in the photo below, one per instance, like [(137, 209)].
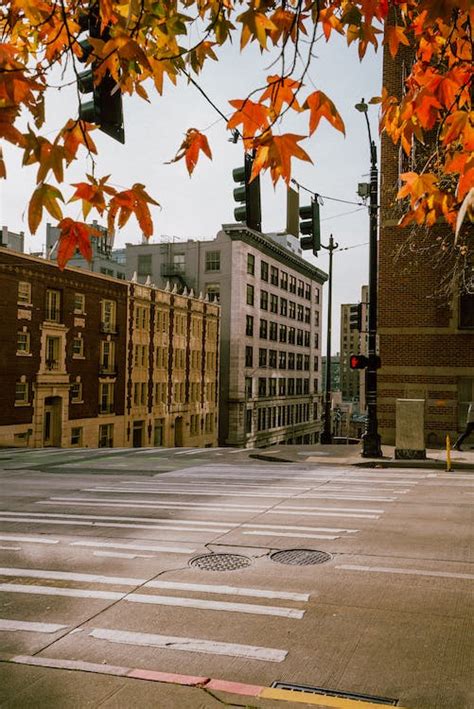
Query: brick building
[(426, 339), (70, 371)]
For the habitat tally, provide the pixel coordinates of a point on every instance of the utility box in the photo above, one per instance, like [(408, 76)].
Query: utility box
[(410, 429)]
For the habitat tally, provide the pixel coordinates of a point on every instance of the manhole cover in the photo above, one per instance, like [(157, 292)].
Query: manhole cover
[(300, 557), (221, 562)]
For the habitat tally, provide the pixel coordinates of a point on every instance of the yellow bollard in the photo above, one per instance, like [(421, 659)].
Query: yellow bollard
[(448, 455)]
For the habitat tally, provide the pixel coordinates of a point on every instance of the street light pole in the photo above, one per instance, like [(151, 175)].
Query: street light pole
[(326, 435), (371, 444)]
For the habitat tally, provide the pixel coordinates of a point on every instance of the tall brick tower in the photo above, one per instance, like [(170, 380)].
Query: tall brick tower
[(426, 338)]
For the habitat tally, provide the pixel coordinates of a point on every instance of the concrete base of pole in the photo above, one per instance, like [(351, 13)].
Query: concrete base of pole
[(371, 446)]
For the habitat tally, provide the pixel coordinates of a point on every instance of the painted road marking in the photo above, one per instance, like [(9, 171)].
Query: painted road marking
[(119, 555), (116, 525), (168, 642), (167, 505), (410, 572), (113, 518), (14, 625), (264, 533), (138, 547), (32, 540), (55, 591), (10, 548), (302, 529), (321, 514), (70, 576), (183, 602), (229, 590), (147, 505), (332, 509), (188, 493), (358, 498)]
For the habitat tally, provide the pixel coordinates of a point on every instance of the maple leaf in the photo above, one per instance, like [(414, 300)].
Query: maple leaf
[(189, 149), (321, 106), (92, 194), (416, 186), (74, 134), (253, 117), (74, 236), (288, 24), (134, 200), (44, 197), (275, 153), (281, 90), (255, 25), (394, 36)]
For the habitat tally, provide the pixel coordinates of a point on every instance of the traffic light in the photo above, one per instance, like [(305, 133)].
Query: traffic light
[(105, 106), (355, 317), (309, 225), (248, 195), (358, 361)]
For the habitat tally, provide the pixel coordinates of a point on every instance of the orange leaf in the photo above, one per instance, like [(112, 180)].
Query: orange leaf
[(189, 149), (74, 134), (133, 200), (394, 36), (322, 107), (74, 235), (275, 153), (44, 197), (279, 91), (252, 116), (255, 25), (92, 194), (416, 186)]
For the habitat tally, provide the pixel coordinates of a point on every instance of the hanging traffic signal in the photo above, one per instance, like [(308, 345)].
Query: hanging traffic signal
[(105, 106), (248, 195), (355, 317), (310, 227)]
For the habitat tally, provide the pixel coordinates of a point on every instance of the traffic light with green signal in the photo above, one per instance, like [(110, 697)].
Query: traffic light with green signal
[(247, 195), (104, 108), (310, 227)]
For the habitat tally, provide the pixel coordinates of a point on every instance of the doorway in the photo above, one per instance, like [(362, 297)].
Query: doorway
[(137, 434), (178, 432), (52, 429)]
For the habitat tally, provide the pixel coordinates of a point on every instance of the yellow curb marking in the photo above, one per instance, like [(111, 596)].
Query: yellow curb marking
[(318, 700)]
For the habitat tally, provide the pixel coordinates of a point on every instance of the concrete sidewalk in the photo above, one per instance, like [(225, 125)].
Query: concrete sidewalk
[(351, 455)]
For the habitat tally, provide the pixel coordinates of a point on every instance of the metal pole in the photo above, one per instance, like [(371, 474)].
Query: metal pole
[(371, 447), (326, 435)]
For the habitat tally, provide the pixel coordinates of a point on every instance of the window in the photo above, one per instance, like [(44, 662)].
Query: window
[(248, 421), (78, 347), (307, 315), (316, 340), (307, 291), (264, 300), (282, 360), (251, 264), (76, 392), (179, 264), (316, 318), (106, 398), (290, 387), (282, 386), (23, 343), (299, 362), (144, 265), (107, 355), (106, 435), (76, 436), (299, 337), (316, 296), (300, 314), (292, 284), (273, 331), (249, 356), (141, 317), (274, 275), (316, 364), (299, 386), (52, 352), (262, 386), (272, 386), (108, 313), (273, 303), (193, 425), (283, 331), (264, 270), (307, 338), (53, 305), (79, 303), (283, 280), (107, 271), (263, 329), (250, 295), (272, 359), (249, 325), (291, 335), (21, 394), (213, 261), (262, 358), (306, 363), (306, 391), (213, 291), (283, 306), (291, 360), (24, 293), (248, 387), (292, 310)]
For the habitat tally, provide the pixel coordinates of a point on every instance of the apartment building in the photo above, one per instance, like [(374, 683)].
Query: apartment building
[(271, 301), (79, 360)]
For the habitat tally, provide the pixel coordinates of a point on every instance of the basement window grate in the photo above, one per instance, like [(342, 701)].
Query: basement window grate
[(383, 701), (221, 562), (300, 557)]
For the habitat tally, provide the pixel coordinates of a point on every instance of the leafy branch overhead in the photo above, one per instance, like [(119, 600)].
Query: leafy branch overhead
[(144, 45)]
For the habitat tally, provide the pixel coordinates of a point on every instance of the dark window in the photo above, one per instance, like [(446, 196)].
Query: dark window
[(291, 360), (248, 387), (316, 318), (283, 306), (306, 363), (292, 284), (213, 261), (263, 329), (272, 386), (299, 386), (272, 358), (283, 280), (316, 296), (299, 362), (249, 325), (306, 391), (251, 264), (307, 338), (301, 289), (248, 421), (249, 356), (300, 313), (273, 331), (307, 291), (291, 335), (316, 340), (283, 331), (307, 315), (264, 300), (290, 388), (299, 337), (316, 364), (250, 294), (264, 270), (282, 360), (262, 386), (282, 386), (274, 275), (273, 303), (262, 358), (292, 310), (144, 265)]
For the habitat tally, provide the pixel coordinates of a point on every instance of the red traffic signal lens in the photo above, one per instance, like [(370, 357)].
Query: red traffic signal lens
[(358, 362)]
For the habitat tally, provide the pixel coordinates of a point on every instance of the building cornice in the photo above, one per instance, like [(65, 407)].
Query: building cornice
[(238, 232)]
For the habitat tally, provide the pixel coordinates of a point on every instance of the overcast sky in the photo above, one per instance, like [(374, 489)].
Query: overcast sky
[(196, 207)]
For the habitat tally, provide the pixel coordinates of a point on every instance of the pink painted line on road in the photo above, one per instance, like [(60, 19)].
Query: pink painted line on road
[(249, 690), (153, 676)]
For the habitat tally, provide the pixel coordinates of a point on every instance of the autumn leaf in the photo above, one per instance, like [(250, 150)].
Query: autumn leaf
[(394, 36), (255, 25), (92, 194), (275, 153), (74, 134), (416, 186), (252, 116), (279, 91), (190, 148), (132, 201), (321, 106), (74, 236), (44, 197)]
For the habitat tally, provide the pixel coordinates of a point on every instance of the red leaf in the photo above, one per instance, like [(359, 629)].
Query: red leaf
[(74, 235)]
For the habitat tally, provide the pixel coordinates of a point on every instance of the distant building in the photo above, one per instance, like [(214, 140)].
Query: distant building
[(87, 360), (11, 240), (335, 373), (104, 259), (271, 301), (349, 345)]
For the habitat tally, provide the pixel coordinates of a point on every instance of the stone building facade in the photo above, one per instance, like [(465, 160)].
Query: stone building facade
[(426, 338), (69, 364)]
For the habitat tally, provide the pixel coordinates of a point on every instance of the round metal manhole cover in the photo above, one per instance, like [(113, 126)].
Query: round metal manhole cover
[(220, 562), (300, 557)]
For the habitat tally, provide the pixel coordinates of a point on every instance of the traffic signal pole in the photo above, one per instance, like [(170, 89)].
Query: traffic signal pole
[(326, 435)]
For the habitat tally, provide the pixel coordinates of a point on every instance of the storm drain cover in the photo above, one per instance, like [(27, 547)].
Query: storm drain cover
[(386, 701), (300, 557), (221, 562)]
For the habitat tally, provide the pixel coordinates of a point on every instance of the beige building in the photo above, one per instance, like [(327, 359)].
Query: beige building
[(271, 302)]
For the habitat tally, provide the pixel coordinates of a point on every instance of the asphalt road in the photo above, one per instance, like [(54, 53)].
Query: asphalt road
[(105, 556)]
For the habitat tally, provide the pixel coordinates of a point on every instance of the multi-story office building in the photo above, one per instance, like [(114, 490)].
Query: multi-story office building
[(90, 360), (426, 332), (271, 302)]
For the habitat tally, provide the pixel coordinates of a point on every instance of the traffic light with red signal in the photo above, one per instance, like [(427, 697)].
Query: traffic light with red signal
[(359, 361)]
